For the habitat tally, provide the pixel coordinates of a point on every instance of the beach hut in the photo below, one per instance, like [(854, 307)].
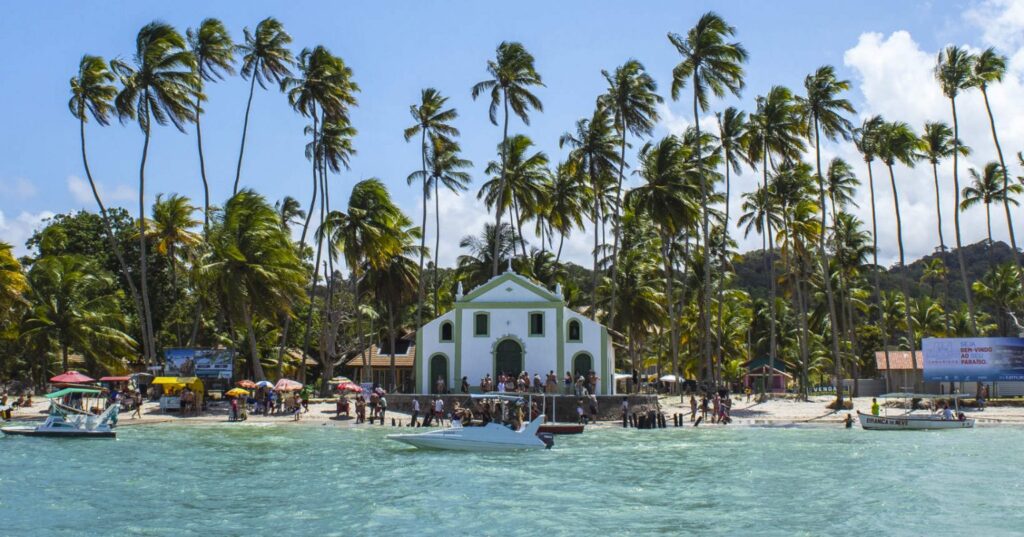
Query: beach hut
[(173, 386), (762, 376)]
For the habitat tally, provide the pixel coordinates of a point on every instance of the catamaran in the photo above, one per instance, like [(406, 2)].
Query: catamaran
[(68, 422), (490, 437), (913, 420)]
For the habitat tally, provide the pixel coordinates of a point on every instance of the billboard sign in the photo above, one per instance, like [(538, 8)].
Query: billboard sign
[(985, 359), (202, 363)]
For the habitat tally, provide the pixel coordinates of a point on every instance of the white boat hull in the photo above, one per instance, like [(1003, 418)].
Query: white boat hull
[(491, 437), (910, 422)]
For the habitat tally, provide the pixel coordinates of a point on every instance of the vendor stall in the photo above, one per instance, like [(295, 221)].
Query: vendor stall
[(173, 387)]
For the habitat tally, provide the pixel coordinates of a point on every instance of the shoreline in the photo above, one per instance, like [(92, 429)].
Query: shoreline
[(771, 413)]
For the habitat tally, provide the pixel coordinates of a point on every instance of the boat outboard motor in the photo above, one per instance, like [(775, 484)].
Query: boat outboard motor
[(547, 438)]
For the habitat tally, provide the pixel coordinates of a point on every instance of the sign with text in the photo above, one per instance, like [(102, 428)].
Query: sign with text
[(985, 359), (202, 363)]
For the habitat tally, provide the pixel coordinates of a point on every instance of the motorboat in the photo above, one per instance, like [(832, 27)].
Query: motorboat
[(914, 419), (489, 437), (68, 422)]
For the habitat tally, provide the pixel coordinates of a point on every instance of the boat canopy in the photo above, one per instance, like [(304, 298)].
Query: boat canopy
[(178, 383), (909, 395), (496, 395), (68, 391)]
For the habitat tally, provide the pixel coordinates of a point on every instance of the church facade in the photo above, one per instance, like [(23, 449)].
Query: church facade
[(508, 325)]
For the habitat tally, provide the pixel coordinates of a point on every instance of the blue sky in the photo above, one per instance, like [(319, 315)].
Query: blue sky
[(397, 48)]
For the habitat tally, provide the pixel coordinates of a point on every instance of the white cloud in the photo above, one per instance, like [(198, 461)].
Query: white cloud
[(17, 230), (894, 75), (82, 193)]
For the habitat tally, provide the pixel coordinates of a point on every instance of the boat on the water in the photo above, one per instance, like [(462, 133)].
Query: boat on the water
[(488, 437), (69, 422), (917, 419)]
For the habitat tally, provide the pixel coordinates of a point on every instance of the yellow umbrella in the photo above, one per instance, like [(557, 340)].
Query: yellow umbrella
[(237, 392)]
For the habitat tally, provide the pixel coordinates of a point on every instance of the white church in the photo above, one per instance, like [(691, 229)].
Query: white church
[(511, 324)]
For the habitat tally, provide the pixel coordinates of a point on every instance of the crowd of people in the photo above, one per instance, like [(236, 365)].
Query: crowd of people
[(582, 385)]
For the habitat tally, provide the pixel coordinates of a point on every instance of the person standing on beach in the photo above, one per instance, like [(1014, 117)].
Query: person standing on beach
[(465, 385), (415, 411), (693, 408), (567, 380), (137, 403), (439, 411), (383, 408)]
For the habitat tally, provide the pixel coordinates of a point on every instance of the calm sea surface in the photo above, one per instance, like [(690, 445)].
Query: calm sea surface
[(280, 480)]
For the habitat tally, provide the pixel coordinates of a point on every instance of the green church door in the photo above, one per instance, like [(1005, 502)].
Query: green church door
[(582, 365), (438, 370), (508, 358)]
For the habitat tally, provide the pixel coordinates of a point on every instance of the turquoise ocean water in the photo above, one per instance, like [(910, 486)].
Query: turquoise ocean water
[(249, 479)]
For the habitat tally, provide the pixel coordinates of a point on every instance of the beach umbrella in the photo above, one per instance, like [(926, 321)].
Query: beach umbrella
[(237, 392), (287, 385), (350, 387), (72, 377), (264, 384), (339, 380), (247, 384)]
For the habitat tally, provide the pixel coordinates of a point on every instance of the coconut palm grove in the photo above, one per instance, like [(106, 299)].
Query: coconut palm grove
[(299, 286)]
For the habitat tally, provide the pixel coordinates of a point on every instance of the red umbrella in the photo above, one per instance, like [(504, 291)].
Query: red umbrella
[(287, 385), (350, 387), (247, 384), (71, 377)]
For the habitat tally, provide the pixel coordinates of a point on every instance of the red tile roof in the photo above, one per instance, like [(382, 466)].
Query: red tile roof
[(899, 360)]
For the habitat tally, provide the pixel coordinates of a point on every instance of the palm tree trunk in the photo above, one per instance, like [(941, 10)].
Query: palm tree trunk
[(666, 252), (256, 366), (501, 188), (202, 174), (906, 289), (302, 246), (767, 226), (942, 243), (705, 316), (437, 249), (988, 226), (423, 249), (151, 359), (722, 259), (617, 226), (519, 226), (561, 241), (245, 128), (1006, 178), (826, 272), (316, 274), (114, 246), (597, 220), (878, 288), (956, 218)]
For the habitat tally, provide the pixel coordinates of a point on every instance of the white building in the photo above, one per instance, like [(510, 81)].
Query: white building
[(511, 324)]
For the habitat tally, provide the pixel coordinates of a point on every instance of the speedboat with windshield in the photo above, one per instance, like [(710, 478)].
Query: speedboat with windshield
[(917, 419), (70, 422), (492, 436)]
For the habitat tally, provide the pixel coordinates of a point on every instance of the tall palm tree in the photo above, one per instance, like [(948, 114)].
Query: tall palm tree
[(989, 68), (91, 94), (434, 120), (290, 212), (953, 71), (512, 75), (445, 167), (711, 64), (75, 306), (667, 198), (367, 235), (823, 110), (593, 145), (632, 97), (1001, 288), (475, 265), (567, 197), (215, 56), (773, 131), (522, 186), (159, 85), (866, 140), (896, 141), (265, 58), (394, 285), (987, 188), (171, 231), (732, 128), (937, 144), (253, 265)]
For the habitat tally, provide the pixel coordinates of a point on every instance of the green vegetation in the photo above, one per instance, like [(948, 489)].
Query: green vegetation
[(107, 292)]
